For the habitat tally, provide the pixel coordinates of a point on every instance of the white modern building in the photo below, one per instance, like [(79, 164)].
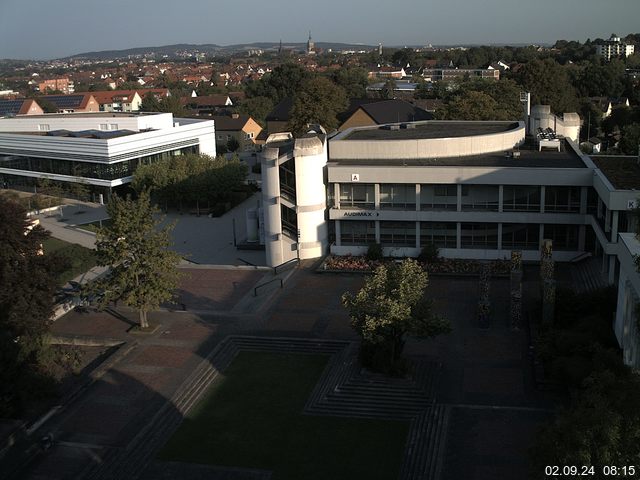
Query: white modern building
[(100, 150), (475, 190), (614, 47)]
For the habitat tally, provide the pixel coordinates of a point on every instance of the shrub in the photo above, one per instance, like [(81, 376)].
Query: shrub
[(429, 254), (374, 252), (257, 168)]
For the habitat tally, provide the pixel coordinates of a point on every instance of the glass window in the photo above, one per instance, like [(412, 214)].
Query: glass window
[(401, 195), (438, 197), (288, 180), (442, 235), (480, 197), (564, 237), (480, 235), (523, 198), (357, 195), (520, 236), (562, 199), (353, 232), (289, 222), (398, 234)]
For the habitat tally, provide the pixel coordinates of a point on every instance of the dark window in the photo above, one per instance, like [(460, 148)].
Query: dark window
[(442, 235), (564, 237), (479, 235), (289, 222), (398, 234), (357, 232), (480, 197), (287, 172), (519, 236), (438, 197), (562, 199), (518, 198)]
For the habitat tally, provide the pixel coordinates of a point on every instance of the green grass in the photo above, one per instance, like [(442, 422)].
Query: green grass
[(253, 419), (78, 259), (93, 226)]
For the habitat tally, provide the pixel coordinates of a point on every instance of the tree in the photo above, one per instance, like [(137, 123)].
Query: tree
[(143, 271), (47, 106), (284, 81), (27, 285), (354, 80), (233, 145), (391, 306), (257, 108), (630, 141), (318, 101), (549, 84), (389, 88)]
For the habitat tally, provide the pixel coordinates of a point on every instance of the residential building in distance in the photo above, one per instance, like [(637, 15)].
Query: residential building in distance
[(63, 85), (99, 150), (370, 112), (21, 106), (241, 127), (207, 104), (118, 100), (76, 103), (614, 47), (436, 74)]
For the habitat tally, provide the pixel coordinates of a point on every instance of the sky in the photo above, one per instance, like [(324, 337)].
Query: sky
[(41, 29)]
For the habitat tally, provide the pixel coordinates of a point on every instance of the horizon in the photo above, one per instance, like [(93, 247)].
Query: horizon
[(411, 23)]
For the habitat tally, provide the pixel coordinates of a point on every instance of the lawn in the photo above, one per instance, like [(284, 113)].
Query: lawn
[(253, 419), (93, 226), (78, 259)]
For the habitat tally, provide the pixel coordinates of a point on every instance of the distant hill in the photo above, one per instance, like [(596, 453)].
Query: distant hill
[(178, 50)]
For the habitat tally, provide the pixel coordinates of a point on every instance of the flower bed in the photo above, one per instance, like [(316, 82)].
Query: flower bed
[(445, 266)]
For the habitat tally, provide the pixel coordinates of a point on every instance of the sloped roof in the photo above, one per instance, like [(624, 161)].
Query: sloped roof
[(10, 108), (227, 123), (207, 101), (395, 111)]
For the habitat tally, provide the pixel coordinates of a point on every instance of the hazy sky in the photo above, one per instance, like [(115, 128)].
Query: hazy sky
[(45, 29)]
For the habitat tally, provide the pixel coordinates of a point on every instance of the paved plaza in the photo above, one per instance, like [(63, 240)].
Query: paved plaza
[(487, 406)]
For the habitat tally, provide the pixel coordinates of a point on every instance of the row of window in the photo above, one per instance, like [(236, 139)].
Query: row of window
[(474, 197), (444, 235), (102, 171)]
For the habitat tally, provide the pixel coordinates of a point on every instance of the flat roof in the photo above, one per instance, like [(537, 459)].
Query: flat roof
[(529, 158), (622, 171), (85, 115), (431, 129)]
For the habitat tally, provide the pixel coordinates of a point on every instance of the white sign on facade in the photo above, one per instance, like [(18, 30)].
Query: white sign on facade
[(355, 177)]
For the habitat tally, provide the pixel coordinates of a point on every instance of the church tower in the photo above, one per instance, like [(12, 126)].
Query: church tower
[(310, 45)]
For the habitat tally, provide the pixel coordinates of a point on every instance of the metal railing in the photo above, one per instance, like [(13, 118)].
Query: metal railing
[(255, 290), (279, 268)]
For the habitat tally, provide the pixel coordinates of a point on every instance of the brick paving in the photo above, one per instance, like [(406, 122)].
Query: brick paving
[(482, 369)]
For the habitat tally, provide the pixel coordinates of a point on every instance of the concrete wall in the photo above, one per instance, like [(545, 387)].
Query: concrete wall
[(427, 147)]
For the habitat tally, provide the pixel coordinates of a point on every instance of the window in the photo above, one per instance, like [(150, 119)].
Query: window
[(398, 234), (438, 197), (357, 195), (357, 232), (104, 126), (518, 198), (564, 237), (288, 180), (562, 199), (44, 127), (480, 197), (289, 222), (520, 236), (401, 196), (442, 235), (113, 126), (479, 235)]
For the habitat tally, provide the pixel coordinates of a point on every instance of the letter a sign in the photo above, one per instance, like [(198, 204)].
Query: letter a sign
[(355, 177)]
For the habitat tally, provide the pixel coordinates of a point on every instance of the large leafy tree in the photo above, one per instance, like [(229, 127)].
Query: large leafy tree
[(354, 80), (549, 84), (143, 271), (319, 100), (391, 306), (27, 285), (284, 81)]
